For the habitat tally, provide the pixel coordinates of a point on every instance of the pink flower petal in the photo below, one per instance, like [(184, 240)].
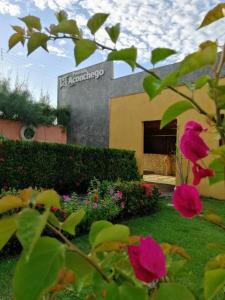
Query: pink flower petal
[(200, 173), (193, 147), (186, 200)]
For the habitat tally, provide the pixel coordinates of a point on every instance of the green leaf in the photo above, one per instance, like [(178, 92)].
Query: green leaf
[(33, 277), (96, 21), (201, 81), (206, 55), (172, 291), (170, 79), (72, 221), (213, 15), (160, 54), (128, 292), (214, 281), (113, 32), (82, 269), (54, 221), (218, 165), (174, 111), (37, 40), (84, 49), (48, 198), (96, 227), (32, 22), (19, 29), (66, 26), (61, 15), (116, 232), (128, 55), (7, 229), (112, 292), (15, 39), (10, 202), (30, 224), (152, 86)]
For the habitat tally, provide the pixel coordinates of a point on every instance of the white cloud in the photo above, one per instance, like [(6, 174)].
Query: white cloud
[(8, 7), (147, 24), (62, 42), (57, 51), (28, 65)]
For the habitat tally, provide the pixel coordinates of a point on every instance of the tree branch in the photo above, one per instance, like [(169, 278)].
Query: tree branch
[(74, 248)]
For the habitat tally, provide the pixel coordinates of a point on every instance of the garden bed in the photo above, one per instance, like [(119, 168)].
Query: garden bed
[(165, 226)]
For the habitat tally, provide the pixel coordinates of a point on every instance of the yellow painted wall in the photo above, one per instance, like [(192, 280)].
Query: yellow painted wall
[(128, 113)]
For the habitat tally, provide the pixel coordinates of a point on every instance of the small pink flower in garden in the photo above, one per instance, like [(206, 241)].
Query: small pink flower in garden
[(54, 209), (147, 188), (147, 260), (95, 205), (87, 202), (66, 198), (122, 205), (120, 195), (193, 147), (200, 173), (186, 200)]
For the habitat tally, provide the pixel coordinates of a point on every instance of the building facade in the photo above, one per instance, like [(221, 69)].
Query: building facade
[(117, 113)]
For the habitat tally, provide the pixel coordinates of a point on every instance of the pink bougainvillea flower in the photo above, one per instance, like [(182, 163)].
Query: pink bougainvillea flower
[(147, 260), (200, 173), (66, 198), (194, 127), (186, 200), (95, 205), (193, 147)]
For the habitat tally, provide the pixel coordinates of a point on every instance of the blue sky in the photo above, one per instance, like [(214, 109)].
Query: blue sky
[(147, 24)]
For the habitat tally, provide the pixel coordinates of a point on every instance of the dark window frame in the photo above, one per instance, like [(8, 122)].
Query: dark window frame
[(159, 141)]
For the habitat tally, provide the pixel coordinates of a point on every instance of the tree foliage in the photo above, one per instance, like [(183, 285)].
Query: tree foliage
[(18, 104)]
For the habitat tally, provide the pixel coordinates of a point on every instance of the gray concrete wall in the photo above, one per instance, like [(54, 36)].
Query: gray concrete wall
[(89, 99), (89, 103)]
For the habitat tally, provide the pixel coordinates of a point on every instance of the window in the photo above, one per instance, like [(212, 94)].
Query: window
[(222, 119), (160, 141)]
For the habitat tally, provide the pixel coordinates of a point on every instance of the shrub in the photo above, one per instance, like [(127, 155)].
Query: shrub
[(105, 200), (66, 168), (138, 198), (111, 201)]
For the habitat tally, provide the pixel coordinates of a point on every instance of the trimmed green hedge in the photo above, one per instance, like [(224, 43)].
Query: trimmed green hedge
[(65, 168)]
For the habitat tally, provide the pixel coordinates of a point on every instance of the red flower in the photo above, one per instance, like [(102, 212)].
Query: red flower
[(147, 260), (186, 201), (54, 209), (147, 188), (200, 173)]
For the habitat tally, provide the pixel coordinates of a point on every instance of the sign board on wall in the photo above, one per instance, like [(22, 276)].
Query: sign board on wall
[(75, 77)]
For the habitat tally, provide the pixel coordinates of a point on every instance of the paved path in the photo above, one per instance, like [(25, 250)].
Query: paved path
[(160, 179)]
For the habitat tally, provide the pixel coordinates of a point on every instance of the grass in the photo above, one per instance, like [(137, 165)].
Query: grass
[(164, 226)]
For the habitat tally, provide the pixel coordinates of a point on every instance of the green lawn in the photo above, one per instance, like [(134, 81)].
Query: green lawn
[(165, 226)]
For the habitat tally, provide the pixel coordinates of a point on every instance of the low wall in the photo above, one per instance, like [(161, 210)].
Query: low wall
[(53, 134)]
